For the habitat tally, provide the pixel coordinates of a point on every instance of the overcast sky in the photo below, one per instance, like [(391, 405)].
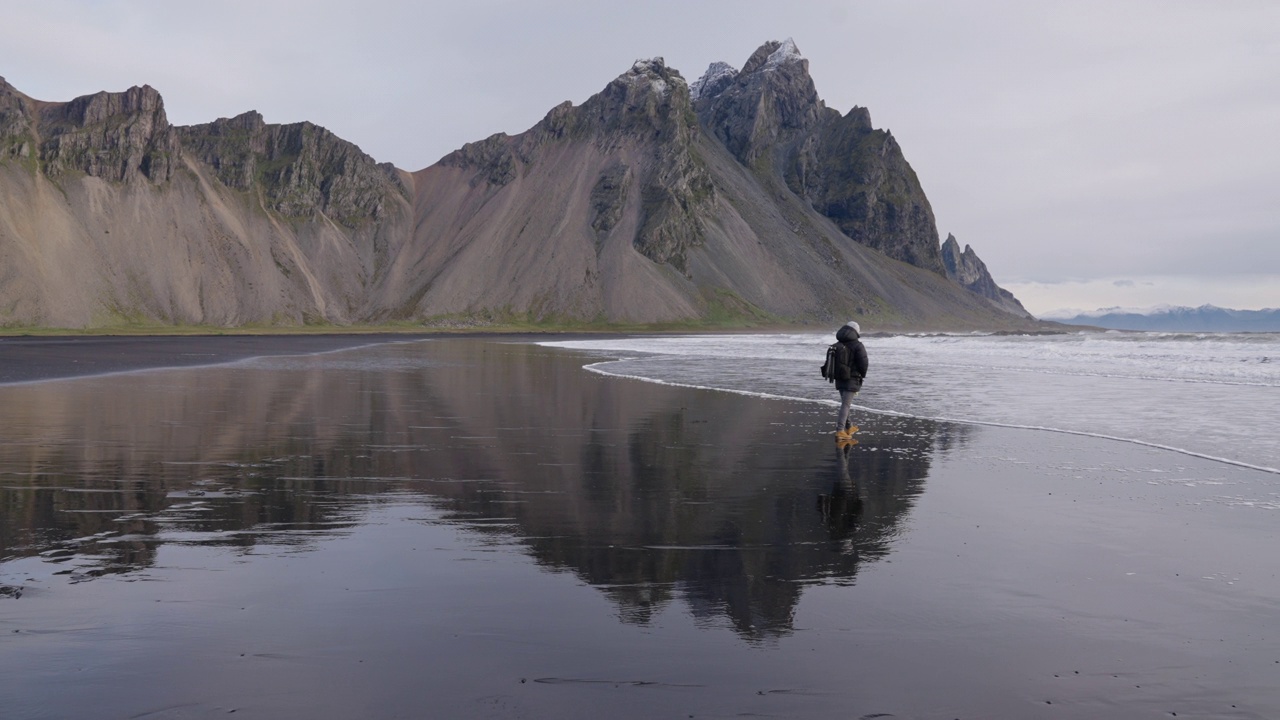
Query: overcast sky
[(1093, 153)]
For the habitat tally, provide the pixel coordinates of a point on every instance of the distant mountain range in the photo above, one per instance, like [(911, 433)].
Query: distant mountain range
[(1206, 318), (740, 199)]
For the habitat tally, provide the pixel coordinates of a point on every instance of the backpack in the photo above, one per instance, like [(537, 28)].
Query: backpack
[(838, 366)]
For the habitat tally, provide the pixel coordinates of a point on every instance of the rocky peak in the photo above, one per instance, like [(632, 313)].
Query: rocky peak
[(250, 122), (101, 107), (766, 106), (676, 188), (493, 158), (968, 270), (231, 146), (770, 117), (113, 136), (719, 75), (858, 177), (653, 71), (302, 169), (650, 105), (649, 102), (963, 267), (858, 120), (15, 122), (774, 54), (643, 118), (649, 99), (10, 98)]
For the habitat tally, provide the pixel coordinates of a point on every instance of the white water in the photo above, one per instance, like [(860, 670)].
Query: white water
[(1213, 395)]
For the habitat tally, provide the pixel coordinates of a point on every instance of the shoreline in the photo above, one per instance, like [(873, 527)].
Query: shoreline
[(591, 367), (28, 358), (464, 328), (629, 548), (34, 359)]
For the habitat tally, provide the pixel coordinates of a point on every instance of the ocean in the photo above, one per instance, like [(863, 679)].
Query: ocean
[(1215, 396)]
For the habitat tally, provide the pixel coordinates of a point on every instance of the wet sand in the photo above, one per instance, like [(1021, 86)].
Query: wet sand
[(476, 528), (30, 358)]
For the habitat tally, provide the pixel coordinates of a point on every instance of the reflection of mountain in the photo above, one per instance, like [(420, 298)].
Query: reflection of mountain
[(648, 492)]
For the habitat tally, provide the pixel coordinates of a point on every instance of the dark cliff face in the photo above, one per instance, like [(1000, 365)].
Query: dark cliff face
[(15, 123), (967, 269), (117, 137), (771, 118), (301, 168), (766, 107), (857, 176), (651, 103)]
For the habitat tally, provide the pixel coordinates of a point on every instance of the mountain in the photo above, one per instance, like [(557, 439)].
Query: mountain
[(967, 269), (772, 120), (741, 199), (110, 215), (1206, 318)]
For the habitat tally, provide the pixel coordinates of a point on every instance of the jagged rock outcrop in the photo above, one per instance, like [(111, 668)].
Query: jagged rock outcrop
[(302, 169), (857, 176), (718, 77), (766, 107), (771, 118), (609, 198), (651, 103), (967, 269), (16, 140), (113, 136), (740, 200), (493, 160)]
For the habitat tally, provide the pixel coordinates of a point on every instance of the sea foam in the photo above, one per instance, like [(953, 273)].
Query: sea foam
[(1208, 395)]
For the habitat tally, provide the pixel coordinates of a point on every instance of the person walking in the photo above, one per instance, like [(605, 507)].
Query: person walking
[(846, 366)]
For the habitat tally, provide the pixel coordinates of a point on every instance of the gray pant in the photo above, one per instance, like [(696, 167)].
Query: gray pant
[(846, 399)]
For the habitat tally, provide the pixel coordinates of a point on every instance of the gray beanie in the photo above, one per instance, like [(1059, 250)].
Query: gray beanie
[(855, 326)]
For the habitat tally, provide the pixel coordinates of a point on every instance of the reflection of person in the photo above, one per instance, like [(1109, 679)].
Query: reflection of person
[(842, 509), (850, 368)]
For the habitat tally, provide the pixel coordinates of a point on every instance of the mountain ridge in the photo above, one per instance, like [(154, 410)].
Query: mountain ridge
[(1205, 318), (647, 203)]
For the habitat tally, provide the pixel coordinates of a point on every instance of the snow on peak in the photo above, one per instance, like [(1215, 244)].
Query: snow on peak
[(651, 70), (786, 52), (716, 75), (648, 64), (1074, 313)]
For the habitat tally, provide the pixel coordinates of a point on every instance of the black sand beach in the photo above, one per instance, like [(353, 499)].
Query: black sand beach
[(474, 527), (29, 358)]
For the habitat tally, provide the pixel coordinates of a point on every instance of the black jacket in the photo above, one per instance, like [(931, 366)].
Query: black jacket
[(848, 337)]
